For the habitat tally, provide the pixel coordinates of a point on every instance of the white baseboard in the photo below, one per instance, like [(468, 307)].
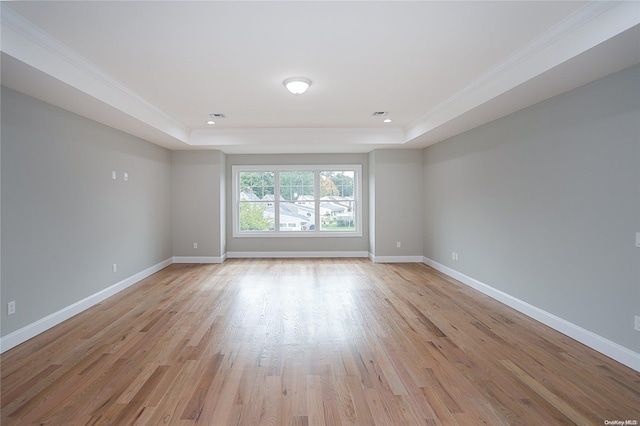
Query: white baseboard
[(395, 259), (293, 254), (594, 341), (27, 332), (198, 259), (611, 349)]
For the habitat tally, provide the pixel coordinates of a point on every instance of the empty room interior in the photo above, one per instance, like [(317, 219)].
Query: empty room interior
[(320, 213)]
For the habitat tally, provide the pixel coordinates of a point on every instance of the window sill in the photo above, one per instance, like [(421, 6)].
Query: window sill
[(296, 234)]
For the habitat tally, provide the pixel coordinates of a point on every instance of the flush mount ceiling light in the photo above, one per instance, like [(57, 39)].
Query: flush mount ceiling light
[(297, 85)]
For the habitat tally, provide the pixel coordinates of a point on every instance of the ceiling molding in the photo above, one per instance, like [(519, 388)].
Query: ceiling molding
[(29, 44), (90, 91), (589, 26), (297, 136)]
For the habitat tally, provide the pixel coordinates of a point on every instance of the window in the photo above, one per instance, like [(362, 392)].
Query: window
[(297, 200)]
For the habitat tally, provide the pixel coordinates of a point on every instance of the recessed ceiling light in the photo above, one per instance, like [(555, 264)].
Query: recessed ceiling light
[(297, 85), (387, 120), (212, 117)]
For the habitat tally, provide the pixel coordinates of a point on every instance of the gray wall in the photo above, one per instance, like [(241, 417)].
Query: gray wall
[(64, 220), (398, 216), (197, 188), (297, 244), (372, 203), (222, 208), (544, 205)]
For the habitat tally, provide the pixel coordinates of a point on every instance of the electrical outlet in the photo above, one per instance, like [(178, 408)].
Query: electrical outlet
[(195, 245), (11, 307), (114, 267), (125, 176), (637, 324), (114, 175), (399, 244), (454, 255)]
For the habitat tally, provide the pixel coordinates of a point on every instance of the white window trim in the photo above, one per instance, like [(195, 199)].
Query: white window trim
[(276, 233)]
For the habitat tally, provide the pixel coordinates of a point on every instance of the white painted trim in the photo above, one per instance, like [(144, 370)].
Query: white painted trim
[(237, 169), (292, 254), (298, 136), (27, 332), (198, 259), (395, 259), (27, 43), (589, 26), (299, 234), (594, 341), (611, 349)]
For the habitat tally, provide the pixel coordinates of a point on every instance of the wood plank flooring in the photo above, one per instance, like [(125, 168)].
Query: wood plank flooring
[(309, 342)]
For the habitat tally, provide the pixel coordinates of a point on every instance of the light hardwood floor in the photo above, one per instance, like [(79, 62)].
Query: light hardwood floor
[(309, 342)]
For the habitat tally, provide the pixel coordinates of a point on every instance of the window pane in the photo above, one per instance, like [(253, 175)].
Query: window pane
[(255, 186), (294, 185), (337, 205), (337, 183), (337, 214), (297, 217), (256, 216)]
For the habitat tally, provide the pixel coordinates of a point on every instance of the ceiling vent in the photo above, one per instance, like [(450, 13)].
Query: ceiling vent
[(217, 115), (379, 113)]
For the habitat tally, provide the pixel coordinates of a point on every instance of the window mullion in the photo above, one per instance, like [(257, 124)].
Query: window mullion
[(276, 201), (316, 199)]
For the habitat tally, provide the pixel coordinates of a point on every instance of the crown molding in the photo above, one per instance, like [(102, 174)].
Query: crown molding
[(297, 136), (31, 45), (592, 24)]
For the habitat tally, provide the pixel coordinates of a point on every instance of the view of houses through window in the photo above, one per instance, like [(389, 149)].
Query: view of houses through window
[(289, 201)]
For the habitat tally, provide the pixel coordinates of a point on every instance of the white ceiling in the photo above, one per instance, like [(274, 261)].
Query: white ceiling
[(158, 69)]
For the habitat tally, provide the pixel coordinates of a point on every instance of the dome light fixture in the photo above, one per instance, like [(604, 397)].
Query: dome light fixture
[(297, 85)]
